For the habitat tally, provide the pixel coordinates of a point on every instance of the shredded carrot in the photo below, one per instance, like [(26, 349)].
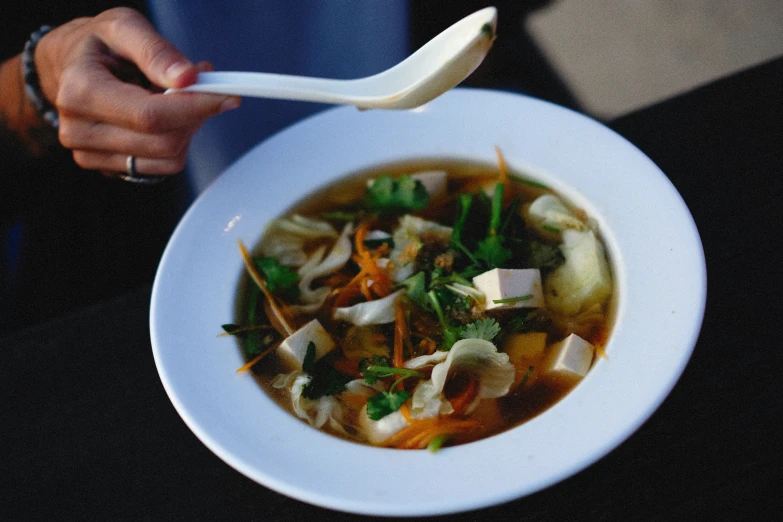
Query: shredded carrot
[(259, 280), (502, 170), (359, 237), (406, 412), (420, 433), (466, 396), (249, 364)]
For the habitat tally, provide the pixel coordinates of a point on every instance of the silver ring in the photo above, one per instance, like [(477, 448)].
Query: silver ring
[(134, 177)]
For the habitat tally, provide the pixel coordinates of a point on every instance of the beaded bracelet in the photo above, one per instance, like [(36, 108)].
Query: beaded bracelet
[(33, 83)]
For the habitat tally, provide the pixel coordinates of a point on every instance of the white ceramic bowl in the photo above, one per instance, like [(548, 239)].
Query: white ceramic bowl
[(658, 266)]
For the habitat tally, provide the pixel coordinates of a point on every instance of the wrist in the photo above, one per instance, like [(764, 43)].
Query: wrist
[(44, 109)]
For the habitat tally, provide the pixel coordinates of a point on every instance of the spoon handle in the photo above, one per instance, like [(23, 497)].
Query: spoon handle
[(268, 85)]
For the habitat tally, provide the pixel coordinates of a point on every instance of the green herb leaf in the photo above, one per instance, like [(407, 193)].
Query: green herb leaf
[(492, 252), (326, 381), (383, 403), (416, 290), (372, 376), (451, 335), (465, 201), (387, 195), (280, 279), (308, 363), (544, 256), (486, 329), (340, 216), (373, 372)]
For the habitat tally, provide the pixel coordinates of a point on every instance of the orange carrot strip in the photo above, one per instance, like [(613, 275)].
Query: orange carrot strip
[(361, 234), (259, 280), (421, 432), (249, 364), (406, 412), (503, 172), (466, 396)]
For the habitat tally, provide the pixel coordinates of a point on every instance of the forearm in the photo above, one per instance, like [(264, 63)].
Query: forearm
[(22, 131)]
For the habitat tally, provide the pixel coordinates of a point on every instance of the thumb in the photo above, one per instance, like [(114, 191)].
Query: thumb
[(129, 34)]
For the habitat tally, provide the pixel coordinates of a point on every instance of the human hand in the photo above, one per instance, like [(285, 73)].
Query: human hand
[(105, 116)]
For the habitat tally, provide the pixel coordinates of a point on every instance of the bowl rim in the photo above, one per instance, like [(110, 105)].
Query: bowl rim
[(630, 198)]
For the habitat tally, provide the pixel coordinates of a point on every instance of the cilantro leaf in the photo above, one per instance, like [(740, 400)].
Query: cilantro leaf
[(381, 369), (387, 195), (383, 403), (280, 279), (451, 335), (492, 252), (544, 256), (326, 381), (416, 290), (372, 376), (486, 329)]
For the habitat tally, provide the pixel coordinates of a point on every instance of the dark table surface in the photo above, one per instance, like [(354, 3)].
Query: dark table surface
[(88, 432)]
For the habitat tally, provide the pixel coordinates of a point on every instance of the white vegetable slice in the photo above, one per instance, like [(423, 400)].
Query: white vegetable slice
[(584, 279), (475, 356), (315, 267), (549, 211), (285, 238), (316, 412), (378, 431), (411, 233), (434, 182), (380, 311)]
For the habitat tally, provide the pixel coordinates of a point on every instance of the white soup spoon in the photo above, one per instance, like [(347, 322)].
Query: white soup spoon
[(436, 67)]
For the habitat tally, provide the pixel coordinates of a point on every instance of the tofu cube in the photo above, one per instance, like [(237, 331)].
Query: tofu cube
[(434, 182), (525, 350), (294, 348), (507, 283), (568, 361)]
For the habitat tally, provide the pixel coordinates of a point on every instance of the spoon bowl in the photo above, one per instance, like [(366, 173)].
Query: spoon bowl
[(439, 65)]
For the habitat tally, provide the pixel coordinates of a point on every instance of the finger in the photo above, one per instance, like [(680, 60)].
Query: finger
[(102, 137), (104, 161), (131, 106), (129, 34)]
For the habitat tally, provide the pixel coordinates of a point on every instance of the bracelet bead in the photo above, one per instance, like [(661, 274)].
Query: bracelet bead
[(32, 81)]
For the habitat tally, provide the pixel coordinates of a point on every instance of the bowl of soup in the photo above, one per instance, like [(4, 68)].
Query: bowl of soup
[(368, 304)]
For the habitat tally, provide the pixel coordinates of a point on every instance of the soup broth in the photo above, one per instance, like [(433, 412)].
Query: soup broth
[(425, 304)]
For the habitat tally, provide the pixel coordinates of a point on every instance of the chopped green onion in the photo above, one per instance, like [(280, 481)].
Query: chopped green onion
[(513, 299), (550, 228), (437, 443), (530, 182), (436, 305), (528, 373), (340, 216)]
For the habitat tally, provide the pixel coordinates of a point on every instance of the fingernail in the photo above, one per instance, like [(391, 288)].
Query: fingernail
[(230, 104), (175, 70)]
